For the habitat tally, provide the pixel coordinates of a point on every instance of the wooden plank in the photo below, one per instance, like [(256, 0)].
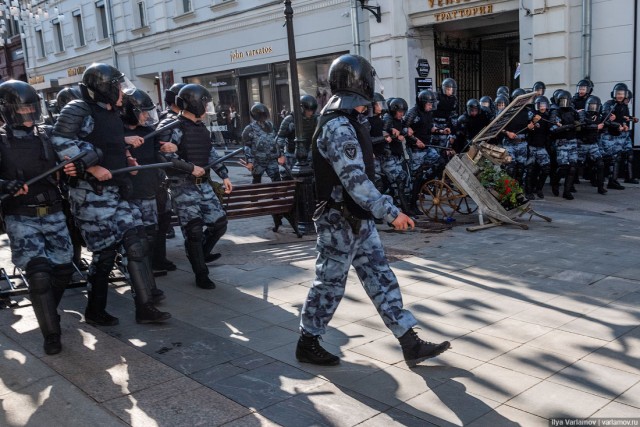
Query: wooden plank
[(260, 204), (229, 200)]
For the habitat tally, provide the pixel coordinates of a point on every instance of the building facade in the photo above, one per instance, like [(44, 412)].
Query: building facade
[(238, 48)]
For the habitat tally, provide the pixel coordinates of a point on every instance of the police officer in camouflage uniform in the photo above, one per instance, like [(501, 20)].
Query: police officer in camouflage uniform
[(99, 200), (612, 140), (392, 162), (140, 117), (565, 121), (538, 162), (627, 149), (343, 164), (262, 152), (287, 132), (515, 140), (35, 224), (201, 216), (445, 114), (588, 149)]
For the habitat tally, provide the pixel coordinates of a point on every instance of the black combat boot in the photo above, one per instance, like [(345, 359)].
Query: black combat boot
[(212, 235), (568, 183), (599, 177), (98, 286), (416, 350), (542, 178), (44, 304), (159, 258), (194, 246), (309, 350), (613, 179)]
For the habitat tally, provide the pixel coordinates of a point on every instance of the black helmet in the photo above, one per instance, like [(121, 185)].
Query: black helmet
[(103, 83), (425, 97), (629, 95), (486, 102), (352, 82), (379, 99), (139, 110), (308, 102), (503, 90), (170, 94), (67, 95), (259, 112), (517, 92), (619, 87), (585, 83), (473, 104), (554, 97), (563, 99), (593, 104), (541, 100), (502, 99), (19, 103), (398, 104), (538, 86), (449, 83), (195, 99)]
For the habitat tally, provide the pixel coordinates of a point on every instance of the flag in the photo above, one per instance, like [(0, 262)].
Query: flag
[(517, 73)]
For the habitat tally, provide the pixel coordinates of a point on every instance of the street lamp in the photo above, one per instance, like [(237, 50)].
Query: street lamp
[(301, 171)]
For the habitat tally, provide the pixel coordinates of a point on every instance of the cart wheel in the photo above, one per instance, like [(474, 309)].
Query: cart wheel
[(436, 200), (464, 204)]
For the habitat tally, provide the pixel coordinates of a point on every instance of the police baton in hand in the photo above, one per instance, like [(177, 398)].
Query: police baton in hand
[(223, 158), (45, 174), (166, 127)]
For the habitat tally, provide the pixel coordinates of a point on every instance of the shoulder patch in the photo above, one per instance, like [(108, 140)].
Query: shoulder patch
[(350, 150)]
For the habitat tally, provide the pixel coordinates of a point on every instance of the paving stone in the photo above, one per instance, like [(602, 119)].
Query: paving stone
[(550, 400), (395, 417), (617, 410), (20, 369), (622, 353), (562, 342), (352, 335), (596, 379), (545, 316), (535, 362), (631, 396), (579, 277), (505, 415), (482, 347), (605, 323), (514, 330), (252, 420)]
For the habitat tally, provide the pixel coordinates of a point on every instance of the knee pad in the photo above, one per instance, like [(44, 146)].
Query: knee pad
[(63, 270), (545, 169), (135, 246), (103, 261), (219, 225), (38, 265), (193, 230)]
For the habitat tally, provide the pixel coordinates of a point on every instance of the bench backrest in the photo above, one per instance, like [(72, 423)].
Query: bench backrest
[(260, 199)]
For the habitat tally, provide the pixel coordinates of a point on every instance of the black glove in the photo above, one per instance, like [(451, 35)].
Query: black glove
[(11, 186), (81, 168), (182, 166)]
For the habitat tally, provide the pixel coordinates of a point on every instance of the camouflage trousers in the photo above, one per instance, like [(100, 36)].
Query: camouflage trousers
[(567, 151), (517, 150), (611, 146), (338, 249), (590, 150), (191, 201), (429, 157), (440, 140), (627, 144), (38, 237), (538, 156), (104, 218), (391, 167), (146, 210), (270, 167)]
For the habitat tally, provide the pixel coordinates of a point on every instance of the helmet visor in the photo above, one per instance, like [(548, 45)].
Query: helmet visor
[(621, 93), (126, 86), (593, 107), (148, 118), (21, 114), (209, 109), (563, 102), (540, 105)]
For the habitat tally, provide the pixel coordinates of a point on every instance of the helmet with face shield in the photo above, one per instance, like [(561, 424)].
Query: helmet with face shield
[(103, 83), (19, 104), (195, 99), (139, 110)]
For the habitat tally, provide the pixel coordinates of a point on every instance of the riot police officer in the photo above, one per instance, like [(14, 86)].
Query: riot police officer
[(98, 199), (194, 200), (504, 91), (170, 94), (262, 153), (514, 140), (343, 164), (67, 95), (287, 132), (501, 103), (583, 91), (35, 223), (444, 116), (538, 161), (539, 88), (487, 105), (613, 139), (565, 120), (393, 159), (379, 138), (470, 123), (588, 149)]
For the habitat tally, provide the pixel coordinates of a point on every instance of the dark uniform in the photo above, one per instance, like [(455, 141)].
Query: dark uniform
[(260, 147), (393, 160), (343, 164), (287, 133), (35, 224), (538, 161), (566, 121), (107, 220), (589, 150)]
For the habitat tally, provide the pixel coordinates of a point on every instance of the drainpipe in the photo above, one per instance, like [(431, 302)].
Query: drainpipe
[(112, 35), (355, 27), (635, 69), (586, 39)]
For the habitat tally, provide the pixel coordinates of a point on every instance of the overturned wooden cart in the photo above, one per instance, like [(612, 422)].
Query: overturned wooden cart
[(439, 199)]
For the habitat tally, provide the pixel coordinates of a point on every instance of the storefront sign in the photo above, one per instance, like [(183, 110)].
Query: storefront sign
[(423, 67), (36, 79), (444, 60), (239, 54), (75, 71), (467, 12), (423, 84)]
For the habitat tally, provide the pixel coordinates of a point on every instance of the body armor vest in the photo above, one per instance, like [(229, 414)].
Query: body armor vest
[(567, 117), (539, 136), (377, 135), (620, 111), (579, 103), (395, 146), (108, 136), (145, 182), (195, 144), (25, 158), (519, 123), (422, 127), (308, 128), (590, 132), (326, 176)]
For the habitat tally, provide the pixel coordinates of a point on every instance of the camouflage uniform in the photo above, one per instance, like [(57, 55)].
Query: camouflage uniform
[(342, 243), (261, 149)]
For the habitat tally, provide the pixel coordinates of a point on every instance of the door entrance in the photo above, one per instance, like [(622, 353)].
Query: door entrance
[(256, 88)]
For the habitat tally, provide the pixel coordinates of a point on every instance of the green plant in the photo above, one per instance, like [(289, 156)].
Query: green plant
[(506, 189)]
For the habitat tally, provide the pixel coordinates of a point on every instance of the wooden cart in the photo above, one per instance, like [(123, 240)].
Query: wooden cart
[(444, 197)]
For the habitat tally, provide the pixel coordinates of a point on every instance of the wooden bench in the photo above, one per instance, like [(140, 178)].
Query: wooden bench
[(272, 198)]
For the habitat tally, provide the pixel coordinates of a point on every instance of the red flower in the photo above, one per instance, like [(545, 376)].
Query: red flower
[(508, 190)]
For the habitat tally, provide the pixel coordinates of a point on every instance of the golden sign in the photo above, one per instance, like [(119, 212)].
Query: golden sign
[(238, 54), (75, 71), (36, 79), (467, 12)]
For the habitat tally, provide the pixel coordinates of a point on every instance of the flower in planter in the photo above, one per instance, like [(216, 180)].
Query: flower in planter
[(504, 188)]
